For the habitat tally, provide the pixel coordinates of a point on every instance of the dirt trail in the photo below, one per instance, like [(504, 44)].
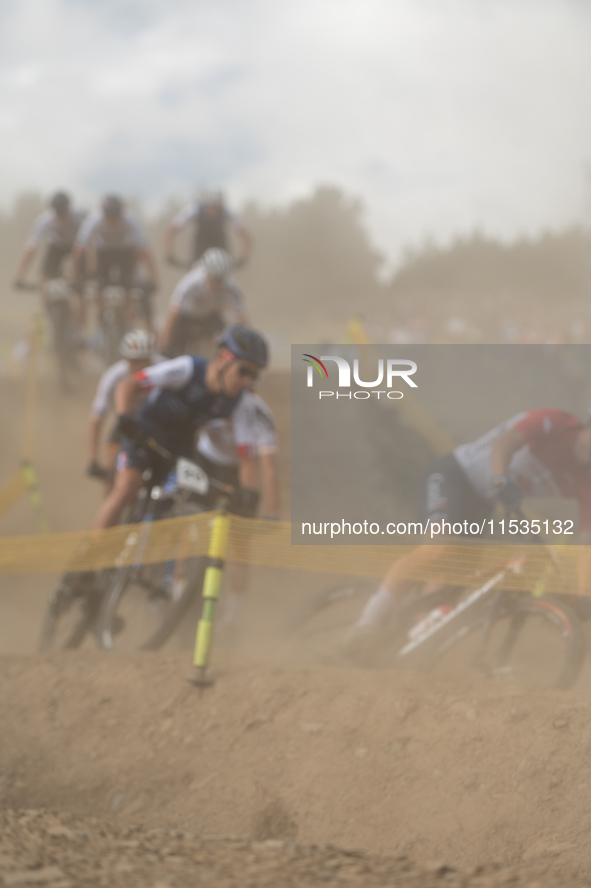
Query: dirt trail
[(403, 766), (471, 774)]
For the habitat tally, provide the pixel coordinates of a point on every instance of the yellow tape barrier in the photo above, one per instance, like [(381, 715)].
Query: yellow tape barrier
[(266, 544)]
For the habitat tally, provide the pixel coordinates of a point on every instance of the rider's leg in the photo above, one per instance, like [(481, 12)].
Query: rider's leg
[(127, 483), (398, 582)]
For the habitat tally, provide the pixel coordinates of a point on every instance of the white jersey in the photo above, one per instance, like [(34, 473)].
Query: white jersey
[(120, 234), (109, 381), (60, 231), (193, 210), (194, 296), (249, 432)]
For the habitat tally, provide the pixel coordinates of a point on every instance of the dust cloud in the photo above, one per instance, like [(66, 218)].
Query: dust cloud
[(115, 771)]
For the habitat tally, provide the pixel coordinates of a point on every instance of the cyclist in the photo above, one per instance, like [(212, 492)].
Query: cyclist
[(211, 219), (203, 301), (137, 352), (241, 450), (541, 452), (57, 227), (183, 394), (114, 241)]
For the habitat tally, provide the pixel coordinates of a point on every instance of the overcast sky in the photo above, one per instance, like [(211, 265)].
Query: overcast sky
[(441, 115)]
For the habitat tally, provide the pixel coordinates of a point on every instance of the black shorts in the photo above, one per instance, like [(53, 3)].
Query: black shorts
[(445, 494), (115, 267), (53, 261)]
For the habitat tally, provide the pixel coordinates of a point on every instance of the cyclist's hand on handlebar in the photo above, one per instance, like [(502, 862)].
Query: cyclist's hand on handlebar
[(130, 428), (239, 262), (95, 470), (508, 493)]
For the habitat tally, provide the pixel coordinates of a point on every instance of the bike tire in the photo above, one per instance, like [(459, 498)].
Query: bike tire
[(70, 616), (63, 342), (551, 655), (134, 616)]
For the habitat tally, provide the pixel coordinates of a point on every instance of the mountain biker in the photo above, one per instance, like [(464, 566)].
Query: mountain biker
[(114, 241), (56, 227), (137, 351), (541, 452), (202, 303), (211, 220), (183, 394)]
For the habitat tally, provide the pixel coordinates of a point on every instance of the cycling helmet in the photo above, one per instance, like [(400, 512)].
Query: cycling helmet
[(245, 344), (112, 206), (217, 263), (60, 202), (213, 196), (137, 345)]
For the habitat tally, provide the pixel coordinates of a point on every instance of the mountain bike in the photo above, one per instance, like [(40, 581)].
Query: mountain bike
[(57, 297), (137, 605), (480, 627)]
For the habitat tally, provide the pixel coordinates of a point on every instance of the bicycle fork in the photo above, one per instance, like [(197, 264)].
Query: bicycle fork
[(212, 582)]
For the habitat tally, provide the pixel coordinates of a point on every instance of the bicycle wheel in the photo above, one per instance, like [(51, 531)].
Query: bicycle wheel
[(536, 642), (63, 341), (321, 624), (72, 611), (142, 606)]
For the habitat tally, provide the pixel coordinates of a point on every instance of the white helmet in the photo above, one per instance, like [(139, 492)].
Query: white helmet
[(217, 263), (137, 345), (211, 196)]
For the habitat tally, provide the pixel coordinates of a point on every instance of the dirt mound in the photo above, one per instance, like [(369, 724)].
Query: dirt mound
[(62, 851), (472, 774)]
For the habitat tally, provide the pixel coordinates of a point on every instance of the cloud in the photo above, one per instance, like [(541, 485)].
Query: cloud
[(441, 114)]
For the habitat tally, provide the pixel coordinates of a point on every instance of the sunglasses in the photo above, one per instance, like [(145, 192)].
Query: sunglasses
[(247, 372)]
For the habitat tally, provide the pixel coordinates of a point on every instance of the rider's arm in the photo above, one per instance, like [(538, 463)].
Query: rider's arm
[(503, 449), (24, 262), (172, 374), (35, 237), (248, 473), (270, 485), (94, 433), (246, 241), (169, 322), (174, 226)]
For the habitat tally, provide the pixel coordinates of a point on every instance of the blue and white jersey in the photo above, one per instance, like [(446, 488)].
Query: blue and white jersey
[(179, 402)]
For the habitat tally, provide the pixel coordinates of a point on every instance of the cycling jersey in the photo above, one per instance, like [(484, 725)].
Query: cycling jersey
[(210, 228), (56, 230), (249, 432), (108, 382), (179, 402), (194, 296), (544, 466), (124, 233)]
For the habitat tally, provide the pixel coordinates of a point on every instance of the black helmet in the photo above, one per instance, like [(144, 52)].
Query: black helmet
[(60, 202), (245, 344), (112, 206)]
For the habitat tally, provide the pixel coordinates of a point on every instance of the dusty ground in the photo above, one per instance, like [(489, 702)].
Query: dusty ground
[(115, 771)]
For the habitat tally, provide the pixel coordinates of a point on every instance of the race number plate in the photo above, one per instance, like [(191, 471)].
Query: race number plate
[(190, 476)]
